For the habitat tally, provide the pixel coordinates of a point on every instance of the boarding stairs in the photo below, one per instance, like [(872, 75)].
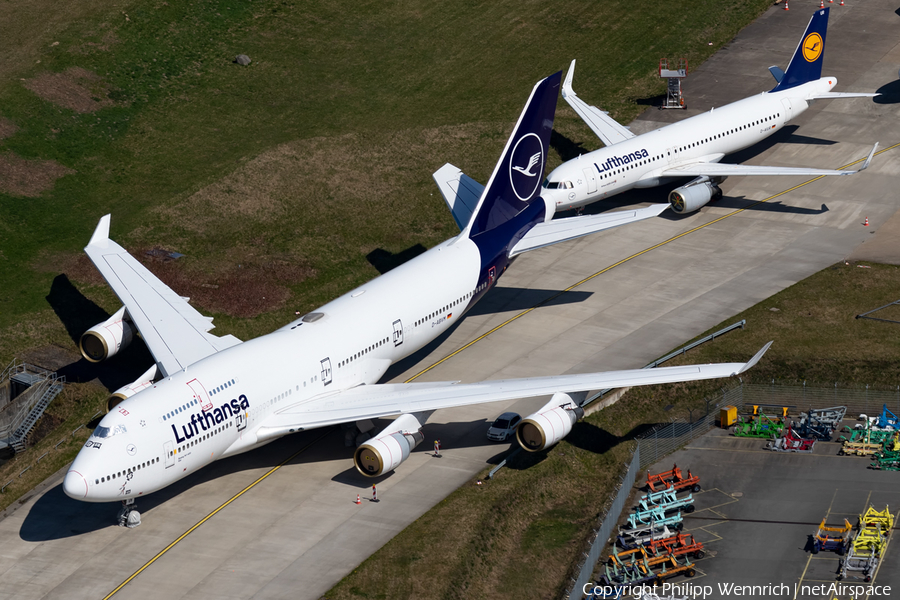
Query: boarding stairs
[(27, 392)]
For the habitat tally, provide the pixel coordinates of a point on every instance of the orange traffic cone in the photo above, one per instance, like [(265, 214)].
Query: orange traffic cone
[(821, 3), (358, 500), (786, 5), (842, 3), (866, 224)]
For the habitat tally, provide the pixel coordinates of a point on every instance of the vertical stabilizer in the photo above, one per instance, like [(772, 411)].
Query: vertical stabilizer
[(806, 65), (516, 180)]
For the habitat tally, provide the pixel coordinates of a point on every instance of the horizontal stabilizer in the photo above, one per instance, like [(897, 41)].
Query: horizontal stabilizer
[(777, 73), (460, 192), (833, 95), (562, 230), (604, 127)]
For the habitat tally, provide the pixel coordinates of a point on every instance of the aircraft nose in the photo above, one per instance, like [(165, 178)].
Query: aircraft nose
[(75, 485)]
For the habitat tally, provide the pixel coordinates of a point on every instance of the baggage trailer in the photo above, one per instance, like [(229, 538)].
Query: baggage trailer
[(871, 540), (655, 516), (833, 539), (674, 478), (633, 538), (678, 545), (667, 500)]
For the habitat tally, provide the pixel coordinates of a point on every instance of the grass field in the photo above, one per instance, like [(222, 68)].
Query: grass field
[(522, 534)]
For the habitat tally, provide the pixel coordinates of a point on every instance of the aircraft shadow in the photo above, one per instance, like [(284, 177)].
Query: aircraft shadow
[(56, 516), (890, 93), (565, 147), (384, 261)]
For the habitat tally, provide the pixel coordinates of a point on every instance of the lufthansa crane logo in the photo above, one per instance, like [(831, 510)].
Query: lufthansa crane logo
[(525, 166), (812, 47)]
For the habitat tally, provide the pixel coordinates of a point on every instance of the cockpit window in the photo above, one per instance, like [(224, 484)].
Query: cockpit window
[(551, 185), (107, 432)]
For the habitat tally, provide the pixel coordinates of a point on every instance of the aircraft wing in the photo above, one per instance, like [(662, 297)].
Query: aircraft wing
[(175, 333), (605, 127), (460, 192), (561, 230), (715, 169), (384, 400)]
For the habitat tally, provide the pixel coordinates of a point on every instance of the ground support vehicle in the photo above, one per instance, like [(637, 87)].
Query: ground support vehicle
[(667, 500), (678, 545), (887, 460), (656, 515), (871, 540), (674, 478), (830, 417), (887, 419), (869, 434), (671, 567), (812, 431), (859, 448), (760, 426), (640, 571), (861, 562), (791, 442), (633, 538), (833, 539)]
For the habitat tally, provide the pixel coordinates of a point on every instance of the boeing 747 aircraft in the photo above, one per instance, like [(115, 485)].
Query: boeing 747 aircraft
[(694, 147), (209, 397)]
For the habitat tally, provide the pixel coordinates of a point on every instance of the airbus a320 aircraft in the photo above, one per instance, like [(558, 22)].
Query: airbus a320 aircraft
[(694, 147), (208, 397)]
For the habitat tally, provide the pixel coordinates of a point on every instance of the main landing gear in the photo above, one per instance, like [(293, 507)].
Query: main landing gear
[(129, 515)]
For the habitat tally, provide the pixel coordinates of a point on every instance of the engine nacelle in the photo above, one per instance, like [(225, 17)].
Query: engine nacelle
[(694, 196), (549, 210), (384, 452), (107, 338), (550, 424), (127, 391)]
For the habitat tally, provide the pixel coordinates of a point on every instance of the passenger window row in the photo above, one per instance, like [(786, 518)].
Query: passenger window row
[(363, 352), (143, 465)]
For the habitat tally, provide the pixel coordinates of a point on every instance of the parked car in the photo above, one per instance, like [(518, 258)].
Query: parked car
[(504, 426)]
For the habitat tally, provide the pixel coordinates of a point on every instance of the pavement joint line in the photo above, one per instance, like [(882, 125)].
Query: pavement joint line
[(630, 258), (213, 513)]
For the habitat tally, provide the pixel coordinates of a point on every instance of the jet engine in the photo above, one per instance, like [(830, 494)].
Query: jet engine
[(127, 391), (550, 424), (384, 452), (695, 195), (107, 338)]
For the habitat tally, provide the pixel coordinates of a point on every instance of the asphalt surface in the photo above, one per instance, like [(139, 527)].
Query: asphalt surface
[(297, 531), (758, 510)]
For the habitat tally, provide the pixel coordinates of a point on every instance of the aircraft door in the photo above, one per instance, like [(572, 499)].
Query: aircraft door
[(326, 370), (240, 421), (591, 180), (788, 109), (200, 394), (169, 450), (398, 332)]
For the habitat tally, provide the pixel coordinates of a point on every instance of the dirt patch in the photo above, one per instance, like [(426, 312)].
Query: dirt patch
[(242, 290), (75, 88), (30, 178), (45, 425), (7, 128)]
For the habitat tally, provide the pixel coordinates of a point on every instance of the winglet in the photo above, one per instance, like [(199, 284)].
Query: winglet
[(101, 233), (868, 158), (567, 84), (752, 362)]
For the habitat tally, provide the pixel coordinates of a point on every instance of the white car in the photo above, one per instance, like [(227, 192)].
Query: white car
[(504, 426)]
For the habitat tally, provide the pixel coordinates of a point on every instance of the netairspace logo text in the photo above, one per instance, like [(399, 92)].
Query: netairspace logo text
[(731, 589)]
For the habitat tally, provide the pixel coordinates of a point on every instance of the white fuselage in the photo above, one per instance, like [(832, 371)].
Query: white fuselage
[(639, 161), (162, 433)]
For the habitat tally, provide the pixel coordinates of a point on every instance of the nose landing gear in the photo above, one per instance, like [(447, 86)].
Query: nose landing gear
[(129, 515)]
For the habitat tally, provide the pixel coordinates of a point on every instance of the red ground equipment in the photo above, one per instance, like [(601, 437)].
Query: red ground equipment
[(681, 544), (675, 478)]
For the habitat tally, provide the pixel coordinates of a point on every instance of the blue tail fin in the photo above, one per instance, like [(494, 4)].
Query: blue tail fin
[(516, 180), (806, 65)]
